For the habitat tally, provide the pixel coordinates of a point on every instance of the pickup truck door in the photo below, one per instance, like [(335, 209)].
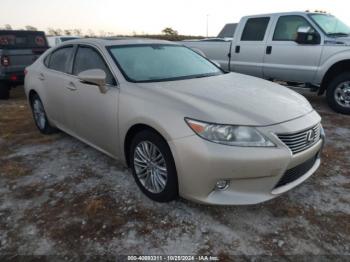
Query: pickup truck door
[(248, 47), (284, 58)]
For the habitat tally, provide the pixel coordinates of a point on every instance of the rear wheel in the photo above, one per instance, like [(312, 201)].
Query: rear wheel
[(40, 118), (4, 91), (153, 166), (338, 93)]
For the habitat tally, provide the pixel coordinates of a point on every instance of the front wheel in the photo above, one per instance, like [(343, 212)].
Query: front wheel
[(153, 166), (338, 93), (40, 118), (4, 91)]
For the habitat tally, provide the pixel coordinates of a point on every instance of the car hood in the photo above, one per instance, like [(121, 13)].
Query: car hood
[(233, 99), (343, 40)]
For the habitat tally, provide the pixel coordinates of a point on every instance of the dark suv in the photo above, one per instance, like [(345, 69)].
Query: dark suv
[(18, 49)]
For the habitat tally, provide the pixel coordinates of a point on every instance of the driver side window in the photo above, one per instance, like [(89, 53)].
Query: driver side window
[(87, 58), (287, 27)]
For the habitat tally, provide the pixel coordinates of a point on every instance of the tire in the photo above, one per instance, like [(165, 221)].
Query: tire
[(4, 91), (339, 102), (154, 182), (39, 115)]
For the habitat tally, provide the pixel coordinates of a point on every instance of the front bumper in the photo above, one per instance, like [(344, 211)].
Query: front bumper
[(253, 172)]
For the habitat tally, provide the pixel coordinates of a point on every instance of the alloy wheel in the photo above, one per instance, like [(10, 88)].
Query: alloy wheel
[(150, 167), (39, 114), (342, 94)]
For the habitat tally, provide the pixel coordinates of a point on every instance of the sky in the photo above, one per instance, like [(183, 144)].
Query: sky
[(151, 16)]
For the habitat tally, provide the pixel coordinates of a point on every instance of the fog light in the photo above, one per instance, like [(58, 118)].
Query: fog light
[(222, 184)]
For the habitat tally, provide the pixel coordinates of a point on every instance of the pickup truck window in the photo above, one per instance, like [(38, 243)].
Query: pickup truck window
[(161, 62), (255, 29), (287, 27), (60, 59)]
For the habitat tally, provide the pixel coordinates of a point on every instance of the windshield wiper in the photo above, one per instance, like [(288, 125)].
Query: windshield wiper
[(338, 34), (206, 75)]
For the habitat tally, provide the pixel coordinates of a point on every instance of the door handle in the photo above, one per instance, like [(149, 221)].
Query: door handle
[(41, 77), (71, 86), (269, 50), (238, 49)]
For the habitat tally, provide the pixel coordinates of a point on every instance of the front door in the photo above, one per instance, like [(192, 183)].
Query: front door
[(287, 60), (93, 115)]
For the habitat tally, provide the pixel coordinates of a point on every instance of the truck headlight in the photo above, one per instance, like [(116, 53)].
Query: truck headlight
[(229, 135)]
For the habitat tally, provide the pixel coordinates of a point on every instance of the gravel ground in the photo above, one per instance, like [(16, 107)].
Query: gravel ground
[(60, 197)]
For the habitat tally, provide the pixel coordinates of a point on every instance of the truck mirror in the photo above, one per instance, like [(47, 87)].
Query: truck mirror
[(307, 36)]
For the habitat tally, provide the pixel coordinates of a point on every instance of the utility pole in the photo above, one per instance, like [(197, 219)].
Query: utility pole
[(207, 25)]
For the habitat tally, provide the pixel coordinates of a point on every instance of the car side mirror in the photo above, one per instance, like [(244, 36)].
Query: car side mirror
[(94, 77), (307, 36)]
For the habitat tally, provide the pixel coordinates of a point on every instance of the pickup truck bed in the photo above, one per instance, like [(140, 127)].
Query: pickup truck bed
[(217, 51)]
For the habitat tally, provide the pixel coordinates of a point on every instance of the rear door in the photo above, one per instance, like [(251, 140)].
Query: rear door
[(247, 52), (92, 114), (56, 79), (287, 60)]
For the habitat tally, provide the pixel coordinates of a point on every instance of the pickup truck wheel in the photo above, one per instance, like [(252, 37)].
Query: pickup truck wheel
[(39, 115), (338, 93), (4, 91), (153, 166)]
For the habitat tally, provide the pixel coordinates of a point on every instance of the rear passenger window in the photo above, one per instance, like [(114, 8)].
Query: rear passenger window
[(287, 27), (60, 59), (87, 58), (255, 29)]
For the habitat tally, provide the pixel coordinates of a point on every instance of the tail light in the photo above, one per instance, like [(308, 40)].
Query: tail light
[(5, 61), (25, 71), (13, 78)]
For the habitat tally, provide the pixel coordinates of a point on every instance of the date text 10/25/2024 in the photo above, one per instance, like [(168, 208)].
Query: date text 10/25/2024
[(172, 258)]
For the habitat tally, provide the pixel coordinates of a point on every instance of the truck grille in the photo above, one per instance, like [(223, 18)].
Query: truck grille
[(300, 141), (296, 172)]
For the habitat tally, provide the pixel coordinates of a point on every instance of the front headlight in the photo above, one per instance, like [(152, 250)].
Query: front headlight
[(229, 135)]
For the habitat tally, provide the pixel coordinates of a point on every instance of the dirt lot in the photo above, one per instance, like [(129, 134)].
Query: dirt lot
[(61, 197)]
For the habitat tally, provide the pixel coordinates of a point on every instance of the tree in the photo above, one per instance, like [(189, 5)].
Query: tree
[(52, 31), (91, 33), (7, 27), (102, 33), (169, 31), (67, 32), (30, 28), (77, 32)]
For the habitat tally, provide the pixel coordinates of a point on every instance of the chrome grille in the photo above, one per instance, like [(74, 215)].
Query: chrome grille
[(300, 141)]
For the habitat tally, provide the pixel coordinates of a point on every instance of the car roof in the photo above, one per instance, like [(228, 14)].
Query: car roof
[(286, 13), (111, 41), (63, 36), (20, 32)]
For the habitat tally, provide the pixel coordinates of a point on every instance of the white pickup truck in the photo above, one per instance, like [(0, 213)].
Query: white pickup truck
[(297, 47)]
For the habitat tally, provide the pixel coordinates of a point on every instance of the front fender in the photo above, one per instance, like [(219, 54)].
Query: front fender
[(329, 58)]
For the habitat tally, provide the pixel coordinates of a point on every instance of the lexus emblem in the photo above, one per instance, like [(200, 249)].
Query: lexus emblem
[(310, 136)]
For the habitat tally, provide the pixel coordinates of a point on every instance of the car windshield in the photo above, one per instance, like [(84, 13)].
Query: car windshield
[(161, 62), (331, 25)]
